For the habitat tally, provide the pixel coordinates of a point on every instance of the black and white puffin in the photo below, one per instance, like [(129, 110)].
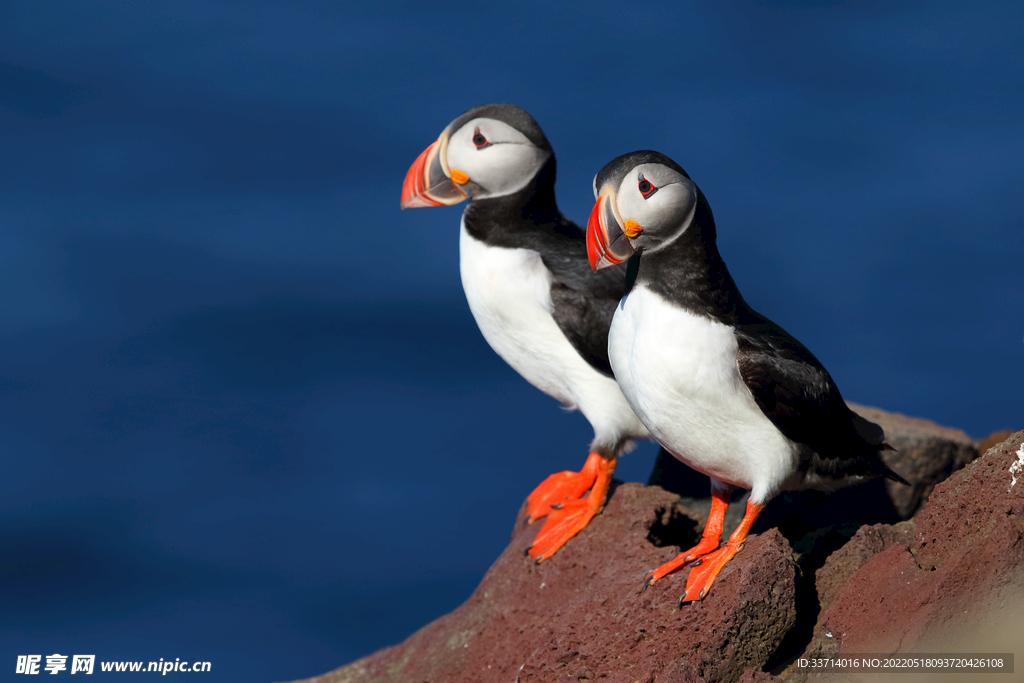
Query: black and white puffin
[(720, 386), (526, 276)]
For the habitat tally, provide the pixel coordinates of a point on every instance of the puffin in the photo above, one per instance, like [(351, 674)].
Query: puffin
[(720, 386), (531, 290)]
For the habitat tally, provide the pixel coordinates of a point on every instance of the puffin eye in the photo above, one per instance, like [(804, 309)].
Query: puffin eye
[(645, 186), (479, 140)]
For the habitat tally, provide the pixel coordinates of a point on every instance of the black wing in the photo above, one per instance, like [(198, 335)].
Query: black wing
[(583, 301), (797, 394)]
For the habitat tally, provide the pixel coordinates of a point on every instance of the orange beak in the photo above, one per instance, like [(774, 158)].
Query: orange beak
[(429, 182), (607, 244)]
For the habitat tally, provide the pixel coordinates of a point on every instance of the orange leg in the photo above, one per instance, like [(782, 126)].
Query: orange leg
[(708, 540), (560, 498), (562, 486), (703, 574)]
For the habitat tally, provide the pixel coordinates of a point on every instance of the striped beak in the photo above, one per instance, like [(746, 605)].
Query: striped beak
[(607, 244), (429, 182)]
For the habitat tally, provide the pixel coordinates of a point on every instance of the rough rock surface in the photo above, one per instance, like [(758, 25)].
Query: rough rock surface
[(583, 614), (957, 586), (950, 580), (993, 439), (865, 544)]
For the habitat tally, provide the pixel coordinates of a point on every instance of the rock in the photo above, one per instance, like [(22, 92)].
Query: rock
[(958, 585), (852, 578), (865, 544), (829, 580), (583, 614), (993, 439)]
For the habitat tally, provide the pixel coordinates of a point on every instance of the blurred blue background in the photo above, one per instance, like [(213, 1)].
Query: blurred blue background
[(245, 414)]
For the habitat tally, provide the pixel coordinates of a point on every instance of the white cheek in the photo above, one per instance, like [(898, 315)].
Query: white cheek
[(502, 169), (675, 205), (666, 213), (505, 167), (633, 206)]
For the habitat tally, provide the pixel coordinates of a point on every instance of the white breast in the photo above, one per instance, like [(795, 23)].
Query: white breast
[(678, 371), (509, 293)]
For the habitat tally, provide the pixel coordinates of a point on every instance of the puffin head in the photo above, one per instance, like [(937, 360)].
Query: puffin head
[(645, 201), (490, 151)]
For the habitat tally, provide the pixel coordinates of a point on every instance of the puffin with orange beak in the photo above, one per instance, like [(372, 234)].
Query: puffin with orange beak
[(526, 276), (721, 387)]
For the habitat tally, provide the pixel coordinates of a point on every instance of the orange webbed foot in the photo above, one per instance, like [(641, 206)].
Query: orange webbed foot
[(694, 554), (556, 489), (706, 561), (560, 499), (703, 573), (708, 542), (562, 524)]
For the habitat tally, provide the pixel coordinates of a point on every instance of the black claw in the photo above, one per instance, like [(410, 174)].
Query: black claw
[(679, 605), (557, 506), (539, 558), (698, 563), (647, 582), (526, 552), (701, 596)]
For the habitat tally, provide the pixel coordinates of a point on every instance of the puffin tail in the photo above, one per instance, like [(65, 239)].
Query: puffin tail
[(886, 471), (874, 436)]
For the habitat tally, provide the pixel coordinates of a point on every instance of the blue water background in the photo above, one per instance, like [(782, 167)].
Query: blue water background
[(245, 414)]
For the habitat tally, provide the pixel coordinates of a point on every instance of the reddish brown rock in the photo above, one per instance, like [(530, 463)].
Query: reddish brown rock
[(583, 614), (963, 574), (994, 439), (935, 582), (865, 544)]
